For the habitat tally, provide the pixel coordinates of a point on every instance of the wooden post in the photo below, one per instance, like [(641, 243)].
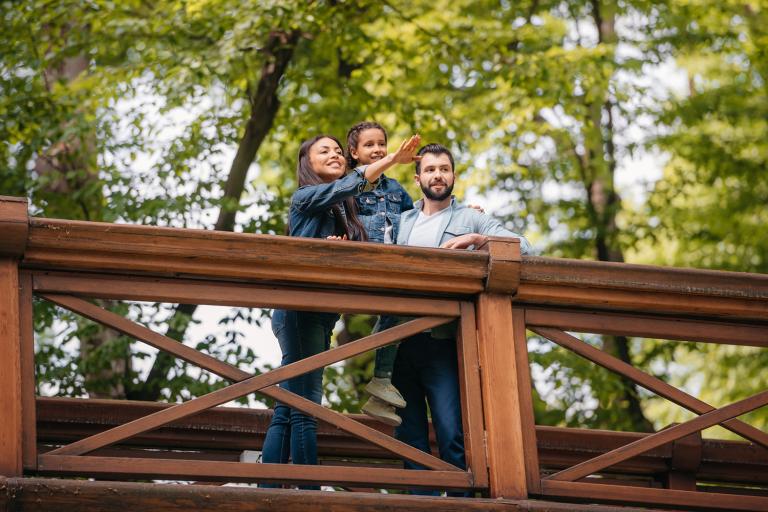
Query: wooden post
[(14, 227), (499, 372)]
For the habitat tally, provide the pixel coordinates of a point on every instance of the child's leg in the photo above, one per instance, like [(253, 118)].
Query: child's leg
[(385, 361)]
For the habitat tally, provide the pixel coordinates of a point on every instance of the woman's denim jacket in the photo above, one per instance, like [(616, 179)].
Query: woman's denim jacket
[(310, 214), (385, 202)]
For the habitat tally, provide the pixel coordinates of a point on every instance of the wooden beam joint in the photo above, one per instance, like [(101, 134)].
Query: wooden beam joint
[(14, 226), (504, 265), (685, 462)]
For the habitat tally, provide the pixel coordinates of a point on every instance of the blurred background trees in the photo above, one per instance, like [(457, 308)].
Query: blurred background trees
[(620, 131)]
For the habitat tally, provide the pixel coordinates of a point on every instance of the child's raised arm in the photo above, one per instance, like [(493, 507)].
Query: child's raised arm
[(405, 154)]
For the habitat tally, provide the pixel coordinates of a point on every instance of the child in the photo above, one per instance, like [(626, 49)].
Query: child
[(379, 211)]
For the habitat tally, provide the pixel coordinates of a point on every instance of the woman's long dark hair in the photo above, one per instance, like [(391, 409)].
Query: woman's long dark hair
[(351, 225)]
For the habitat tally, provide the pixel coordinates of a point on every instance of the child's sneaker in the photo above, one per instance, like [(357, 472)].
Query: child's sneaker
[(384, 390), (382, 411)]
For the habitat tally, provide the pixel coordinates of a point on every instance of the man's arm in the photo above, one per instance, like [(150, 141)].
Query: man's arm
[(485, 226)]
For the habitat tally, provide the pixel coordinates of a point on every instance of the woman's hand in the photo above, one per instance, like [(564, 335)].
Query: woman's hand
[(334, 237), (476, 207)]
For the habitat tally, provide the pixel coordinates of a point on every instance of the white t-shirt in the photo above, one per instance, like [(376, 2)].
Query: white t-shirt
[(426, 230)]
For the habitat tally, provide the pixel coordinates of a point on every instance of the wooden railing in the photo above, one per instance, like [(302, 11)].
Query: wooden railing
[(496, 296)]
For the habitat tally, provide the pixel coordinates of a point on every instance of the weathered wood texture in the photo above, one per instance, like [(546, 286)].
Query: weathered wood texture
[(70, 245), (632, 495), (503, 264), (651, 326), (58, 244), (527, 420), (663, 437), (265, 383), (223, 433), (14, 226), (43, 495), (471, 395), (649, 382), (13, 238), (622, 286), (27, 368), (501, 397), (210, 471), (11, 392), (187, 291)]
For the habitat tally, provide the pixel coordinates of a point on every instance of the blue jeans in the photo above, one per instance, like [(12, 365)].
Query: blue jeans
[(426, 372), (300, 335)]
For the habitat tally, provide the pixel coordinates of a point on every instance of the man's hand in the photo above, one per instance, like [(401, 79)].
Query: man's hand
[(464, 241)]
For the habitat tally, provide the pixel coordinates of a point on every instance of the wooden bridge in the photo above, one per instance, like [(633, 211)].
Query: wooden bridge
[(496, 296)]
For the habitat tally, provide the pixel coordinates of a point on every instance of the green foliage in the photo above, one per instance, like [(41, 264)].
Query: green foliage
[(540, 100)]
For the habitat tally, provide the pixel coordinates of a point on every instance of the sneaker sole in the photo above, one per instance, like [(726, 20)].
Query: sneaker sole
[(384, 419)]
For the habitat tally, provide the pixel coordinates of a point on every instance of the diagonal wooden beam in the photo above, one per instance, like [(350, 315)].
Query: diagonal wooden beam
[(649, 382), (248, 386), (139, 332), (358, 429), (661, 438)]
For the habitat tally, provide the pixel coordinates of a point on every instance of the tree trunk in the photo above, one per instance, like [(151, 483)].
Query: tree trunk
[(604, 203), (264, 105)]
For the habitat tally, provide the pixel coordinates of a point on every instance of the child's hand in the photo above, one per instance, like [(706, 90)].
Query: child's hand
[(334, 237), (406, 153), (477, 207)]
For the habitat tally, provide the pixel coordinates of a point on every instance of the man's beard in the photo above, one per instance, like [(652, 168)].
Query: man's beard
[(446, 193)]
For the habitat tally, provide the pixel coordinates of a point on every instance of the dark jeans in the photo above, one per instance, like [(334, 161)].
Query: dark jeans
[(385, 356), (300, 335), (426, 372)]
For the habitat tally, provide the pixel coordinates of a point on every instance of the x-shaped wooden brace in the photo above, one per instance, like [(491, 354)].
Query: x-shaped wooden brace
[(246, 383), (709, 415)]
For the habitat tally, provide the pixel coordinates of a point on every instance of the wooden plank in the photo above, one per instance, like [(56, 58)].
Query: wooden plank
[(658, 386), (627, 495), (168, 251), (110, 467), (28, 386), (11, 426), (46, 494), (238, 295), (587, 274), (471, 396), (527, 420), (649, 326), (660, 438), (729, 307), (249, 385), (501, 397)]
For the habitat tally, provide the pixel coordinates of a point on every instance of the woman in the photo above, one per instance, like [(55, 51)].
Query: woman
[(322, 207)]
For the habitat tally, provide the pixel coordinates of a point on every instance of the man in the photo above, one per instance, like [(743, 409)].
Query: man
[(426, 368)]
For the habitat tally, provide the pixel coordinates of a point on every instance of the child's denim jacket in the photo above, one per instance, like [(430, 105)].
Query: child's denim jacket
[(384, 203)]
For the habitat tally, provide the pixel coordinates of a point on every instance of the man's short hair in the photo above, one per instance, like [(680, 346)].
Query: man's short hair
[(434, 149)]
